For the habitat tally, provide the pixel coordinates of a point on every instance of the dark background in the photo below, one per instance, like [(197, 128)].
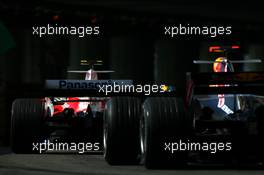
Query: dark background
[(131, 41)]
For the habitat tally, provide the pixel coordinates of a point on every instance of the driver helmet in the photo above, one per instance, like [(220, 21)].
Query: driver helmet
[(220, 65)]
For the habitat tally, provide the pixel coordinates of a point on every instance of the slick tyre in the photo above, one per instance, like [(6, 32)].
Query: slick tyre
[(260, 130), (27, 124), (121, 130), (164, 121)]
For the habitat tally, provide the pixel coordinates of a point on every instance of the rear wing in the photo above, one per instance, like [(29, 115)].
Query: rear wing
[(230, 78), (83, 84), (231, 61), (82, 88), (225, 83)]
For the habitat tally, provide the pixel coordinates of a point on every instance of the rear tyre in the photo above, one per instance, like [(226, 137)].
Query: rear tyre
[(260, 130), (121, 130), (164, 122), (27, 124)]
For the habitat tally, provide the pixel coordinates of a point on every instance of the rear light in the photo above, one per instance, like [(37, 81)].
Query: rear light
[(214, 48), (235, 47), (222, 48)]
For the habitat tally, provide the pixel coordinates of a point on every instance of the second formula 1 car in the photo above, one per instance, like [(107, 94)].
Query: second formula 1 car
[(220, 119)]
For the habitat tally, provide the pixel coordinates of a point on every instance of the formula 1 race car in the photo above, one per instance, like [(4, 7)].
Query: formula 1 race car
[(220, 119), (66, 118)]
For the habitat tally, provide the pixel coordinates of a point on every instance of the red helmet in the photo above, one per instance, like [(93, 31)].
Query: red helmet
[(220, 65)]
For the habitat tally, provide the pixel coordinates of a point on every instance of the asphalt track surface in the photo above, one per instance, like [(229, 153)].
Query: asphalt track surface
[(70, 164)]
